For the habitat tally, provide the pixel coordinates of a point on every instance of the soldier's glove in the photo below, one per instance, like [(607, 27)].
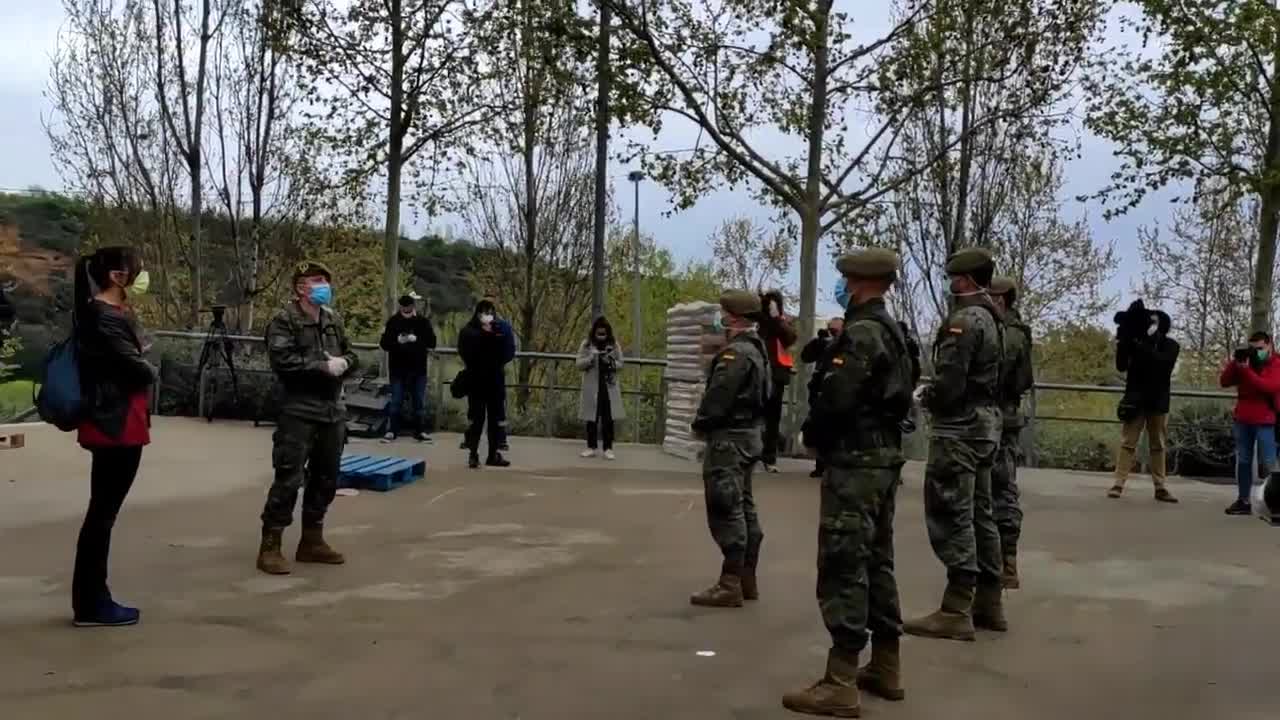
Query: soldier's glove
[(402, 338), (337, 366), (922, 394), (411, 338)]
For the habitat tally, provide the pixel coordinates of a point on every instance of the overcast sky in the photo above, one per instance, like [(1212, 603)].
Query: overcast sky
[(28, 36)]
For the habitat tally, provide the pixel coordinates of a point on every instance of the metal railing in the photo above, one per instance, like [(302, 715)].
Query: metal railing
[(439, 382)]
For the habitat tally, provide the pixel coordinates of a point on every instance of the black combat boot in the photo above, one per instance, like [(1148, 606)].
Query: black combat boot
[(496, 460)]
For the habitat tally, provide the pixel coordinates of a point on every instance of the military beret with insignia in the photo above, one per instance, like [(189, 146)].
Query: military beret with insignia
[(311, 268), (740, 302), (869, 263), (969, 261)]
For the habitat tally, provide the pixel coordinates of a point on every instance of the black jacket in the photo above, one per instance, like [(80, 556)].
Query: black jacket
[(408, 359), (483, 353), (1148, 362), (815, 353), (112, 369)]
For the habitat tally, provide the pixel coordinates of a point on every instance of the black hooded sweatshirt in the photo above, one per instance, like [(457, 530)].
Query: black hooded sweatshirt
[(1148, 361)]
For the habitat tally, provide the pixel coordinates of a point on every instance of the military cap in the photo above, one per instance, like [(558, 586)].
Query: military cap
[(869, 263), (1002, 285), (969, 261), (740, 302), (311, 268)]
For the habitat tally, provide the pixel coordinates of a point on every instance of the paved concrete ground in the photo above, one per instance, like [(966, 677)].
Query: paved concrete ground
[(558, 589)]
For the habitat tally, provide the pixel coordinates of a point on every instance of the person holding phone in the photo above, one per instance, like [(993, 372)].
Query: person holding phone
[(599, 359), (1255, 373)]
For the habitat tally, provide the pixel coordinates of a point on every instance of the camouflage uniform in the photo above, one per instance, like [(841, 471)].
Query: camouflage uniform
[(311, 428), (730, 418), (1017, 378), (865, 393), (963, 402)]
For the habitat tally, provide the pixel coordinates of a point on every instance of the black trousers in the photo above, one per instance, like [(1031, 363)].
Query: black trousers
[(486, 411), (602, 427), (772, 421), (112, 475)]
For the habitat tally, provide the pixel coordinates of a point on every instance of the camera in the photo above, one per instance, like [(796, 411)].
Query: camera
[(1243, 354), (824, 333)]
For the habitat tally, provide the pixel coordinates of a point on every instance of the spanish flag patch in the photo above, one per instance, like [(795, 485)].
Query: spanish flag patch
[(838, 362), (955, 331), (728, 356)]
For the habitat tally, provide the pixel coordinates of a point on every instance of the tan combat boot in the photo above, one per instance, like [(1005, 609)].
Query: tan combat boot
[(313, 549), (750, 590), (727, 592), (988, 608), (270, 560), (951, 622), (1010, 578), (836, 694), (883, 675)]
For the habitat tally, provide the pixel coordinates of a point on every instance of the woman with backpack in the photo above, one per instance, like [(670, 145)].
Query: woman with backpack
[(599, 358), (115, 422)]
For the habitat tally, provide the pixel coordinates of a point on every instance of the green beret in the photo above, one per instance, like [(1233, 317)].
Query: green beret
[(869, 263), (1002, 285), (740, 302), (969, 261), (311, 268)]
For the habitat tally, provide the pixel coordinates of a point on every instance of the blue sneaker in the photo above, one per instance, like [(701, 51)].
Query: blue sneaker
[(109, 614)]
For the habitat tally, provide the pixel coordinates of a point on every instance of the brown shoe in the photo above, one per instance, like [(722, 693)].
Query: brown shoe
[(1009, 579), (950, 622), (270, 560), (835, 695), (1163, 495), (883, 675), (1114, 492), (727, 592), (988, 609), (313, 549)]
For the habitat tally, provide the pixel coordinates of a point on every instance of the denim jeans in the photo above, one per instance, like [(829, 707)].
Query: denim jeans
[(1247, 436), (417, 389)]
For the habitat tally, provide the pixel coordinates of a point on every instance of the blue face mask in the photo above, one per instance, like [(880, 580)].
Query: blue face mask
[(717, 323), (842, 292), (321, 294)]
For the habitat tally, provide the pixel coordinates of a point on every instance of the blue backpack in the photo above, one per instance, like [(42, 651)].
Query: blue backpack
[(59, 401)]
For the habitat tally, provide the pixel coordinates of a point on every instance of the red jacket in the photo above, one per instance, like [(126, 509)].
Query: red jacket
[(1258, 390)]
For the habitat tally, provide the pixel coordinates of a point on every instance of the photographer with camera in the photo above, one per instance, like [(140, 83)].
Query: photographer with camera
[(815, 353), (1255, 373), (1147, 355)]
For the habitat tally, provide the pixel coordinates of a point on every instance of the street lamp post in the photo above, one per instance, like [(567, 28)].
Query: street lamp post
[(635, 176)]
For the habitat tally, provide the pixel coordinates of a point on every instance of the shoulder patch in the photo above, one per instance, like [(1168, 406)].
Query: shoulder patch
[(955, 330), (729, 355), (837, 361)]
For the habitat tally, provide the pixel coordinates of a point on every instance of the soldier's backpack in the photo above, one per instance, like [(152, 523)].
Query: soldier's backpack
[(898, 399)]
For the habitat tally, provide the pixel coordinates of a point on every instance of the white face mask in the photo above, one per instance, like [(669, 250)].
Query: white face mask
[(1151, 329), (486, 319)]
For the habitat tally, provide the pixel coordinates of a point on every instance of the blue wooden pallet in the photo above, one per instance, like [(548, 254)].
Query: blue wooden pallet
[(381, 473)]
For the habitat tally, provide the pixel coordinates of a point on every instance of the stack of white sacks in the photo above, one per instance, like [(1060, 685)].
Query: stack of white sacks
[(691, 344)]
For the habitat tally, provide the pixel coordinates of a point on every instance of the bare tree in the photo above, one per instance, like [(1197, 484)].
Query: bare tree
[(180, 94), (1200, 270), (749, 256), (394, 81), (542, 265), (256, 142)]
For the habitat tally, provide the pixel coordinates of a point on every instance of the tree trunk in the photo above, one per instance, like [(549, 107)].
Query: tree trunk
[(1269, 222), (811, 217), (395, 163), (196, 164), (529, 118), (602, 162)]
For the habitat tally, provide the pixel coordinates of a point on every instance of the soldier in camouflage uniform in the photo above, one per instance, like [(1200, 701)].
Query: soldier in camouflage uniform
[(310, 356), (865, 395), (1016, 379), (963, 402), (731, 418)]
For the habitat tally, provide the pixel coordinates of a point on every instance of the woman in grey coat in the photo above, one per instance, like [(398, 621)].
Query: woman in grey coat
[(599, 358)]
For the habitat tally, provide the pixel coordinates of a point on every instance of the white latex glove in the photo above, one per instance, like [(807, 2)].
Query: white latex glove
[(337, 366), (412, 338), (402, 338)]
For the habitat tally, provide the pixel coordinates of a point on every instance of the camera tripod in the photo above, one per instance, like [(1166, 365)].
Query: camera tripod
[(217, 347)]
